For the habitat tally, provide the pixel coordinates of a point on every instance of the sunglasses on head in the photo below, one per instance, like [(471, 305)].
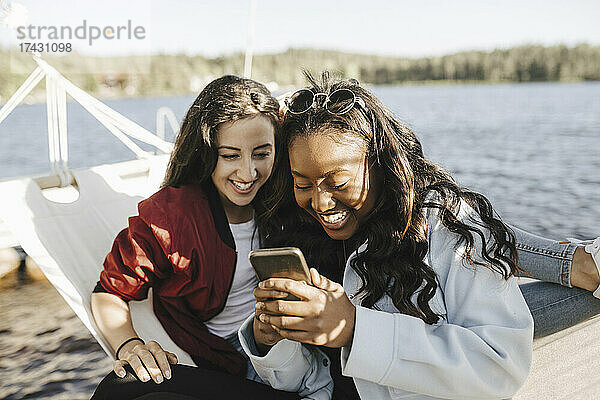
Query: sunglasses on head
[(338, 102)]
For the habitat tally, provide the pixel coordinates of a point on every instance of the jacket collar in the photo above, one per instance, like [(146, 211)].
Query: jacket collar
[(218, 214)]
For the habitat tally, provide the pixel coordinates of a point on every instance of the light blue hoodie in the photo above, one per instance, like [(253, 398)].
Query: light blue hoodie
[(480, 350)]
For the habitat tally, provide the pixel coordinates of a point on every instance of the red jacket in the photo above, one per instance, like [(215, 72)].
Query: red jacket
[(180, 244)]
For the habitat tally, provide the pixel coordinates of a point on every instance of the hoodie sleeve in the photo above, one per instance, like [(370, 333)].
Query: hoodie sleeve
[(290, 366)]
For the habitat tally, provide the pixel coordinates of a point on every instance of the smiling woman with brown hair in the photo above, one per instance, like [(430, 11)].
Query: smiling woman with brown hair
[(190, 244)]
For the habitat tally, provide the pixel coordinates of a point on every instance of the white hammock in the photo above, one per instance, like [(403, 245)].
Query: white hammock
[(70, 239)]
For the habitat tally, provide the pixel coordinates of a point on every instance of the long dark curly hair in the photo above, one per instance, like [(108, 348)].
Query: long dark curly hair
[(226, 99), (396, 229)]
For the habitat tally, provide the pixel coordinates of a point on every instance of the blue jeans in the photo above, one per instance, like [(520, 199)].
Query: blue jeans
[(554, 304)]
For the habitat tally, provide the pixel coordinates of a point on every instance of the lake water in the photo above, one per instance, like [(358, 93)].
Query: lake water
[(533, 149)]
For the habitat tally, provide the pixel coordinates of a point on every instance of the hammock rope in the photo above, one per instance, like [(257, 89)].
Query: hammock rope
[(57, 88)]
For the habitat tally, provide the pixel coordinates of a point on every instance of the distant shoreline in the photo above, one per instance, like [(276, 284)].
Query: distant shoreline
[(40, 98), (158, 75)]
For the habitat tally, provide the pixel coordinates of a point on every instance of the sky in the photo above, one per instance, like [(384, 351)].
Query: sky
[(392, 28)]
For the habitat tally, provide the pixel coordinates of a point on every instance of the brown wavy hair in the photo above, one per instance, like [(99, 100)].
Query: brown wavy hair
[(396, 229), (226, 99)]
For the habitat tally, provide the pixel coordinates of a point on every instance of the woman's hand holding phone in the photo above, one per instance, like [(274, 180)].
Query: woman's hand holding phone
[(264, 334), (323, 316)]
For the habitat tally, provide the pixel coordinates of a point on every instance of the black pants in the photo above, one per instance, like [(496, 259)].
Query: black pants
[(186, 383)]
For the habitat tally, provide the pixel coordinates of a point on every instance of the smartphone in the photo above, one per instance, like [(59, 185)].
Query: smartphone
[(281, 262)]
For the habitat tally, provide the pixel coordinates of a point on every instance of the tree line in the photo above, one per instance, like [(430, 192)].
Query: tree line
[(164, 74)]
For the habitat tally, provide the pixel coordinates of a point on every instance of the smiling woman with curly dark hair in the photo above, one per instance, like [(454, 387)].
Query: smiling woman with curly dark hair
[(432, 306), (395, 224)]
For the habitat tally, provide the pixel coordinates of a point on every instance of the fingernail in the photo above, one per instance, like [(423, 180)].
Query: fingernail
[(121, 374), (168, 374), (260, 305), (159, 379), (145, 377), (261, 285), (262, 317)]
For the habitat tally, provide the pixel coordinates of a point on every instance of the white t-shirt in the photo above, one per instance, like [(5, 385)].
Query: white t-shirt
[(240, 302)]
